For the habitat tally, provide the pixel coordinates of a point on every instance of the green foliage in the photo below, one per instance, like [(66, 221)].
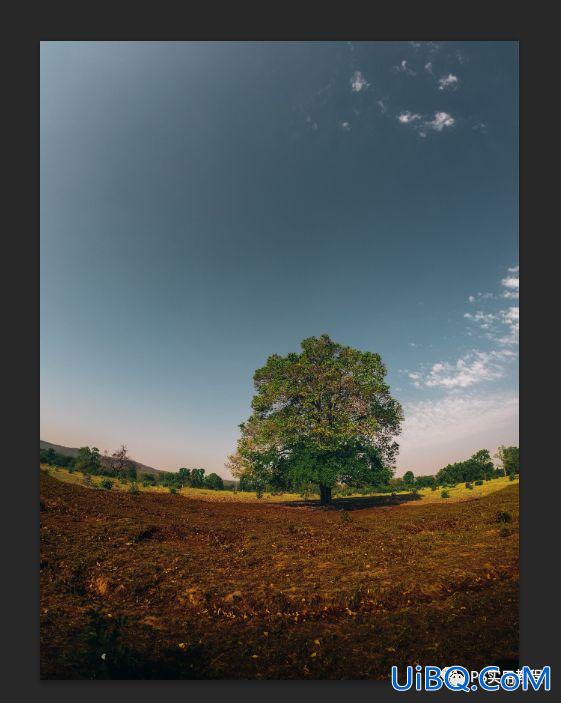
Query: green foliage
[(479, 482), (134, 488), (53, 458), (425, 482), (512, 477), (172, 489), (445, 494), (214, 482), (107, 483), (88, 461), (408, 478), (324, 416), (510, 459), (477, 467)]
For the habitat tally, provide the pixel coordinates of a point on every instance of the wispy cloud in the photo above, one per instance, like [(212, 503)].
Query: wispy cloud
[(436, 432), (449, 82), (403, 67), (480, 296), (358, 82), (423, 125), (500, 327), (511, 283), (484, 319), (441, 121), (469, 370), (407, 117), (346, 126)]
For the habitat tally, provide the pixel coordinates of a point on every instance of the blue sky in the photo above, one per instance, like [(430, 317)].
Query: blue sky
[(206, 204)]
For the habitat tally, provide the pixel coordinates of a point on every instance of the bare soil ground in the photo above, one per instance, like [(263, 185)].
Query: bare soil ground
[(156, 586)]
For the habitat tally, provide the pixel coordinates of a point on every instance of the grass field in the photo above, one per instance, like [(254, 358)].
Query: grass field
[(156, 585)]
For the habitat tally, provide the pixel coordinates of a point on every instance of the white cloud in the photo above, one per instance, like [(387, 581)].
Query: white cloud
[(484, 319), (472, 368), (345, 126), (358, 82), (510, 318), (383, 105), (407, 117), (449, 82), (511, 283), (403, 67), (440, 121), (480, 296), (436, 432)]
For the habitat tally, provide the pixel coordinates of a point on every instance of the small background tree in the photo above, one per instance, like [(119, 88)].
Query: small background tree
[(509, 458)]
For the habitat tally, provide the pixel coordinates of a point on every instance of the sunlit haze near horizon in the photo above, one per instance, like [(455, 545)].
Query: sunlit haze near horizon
[(207, 204)]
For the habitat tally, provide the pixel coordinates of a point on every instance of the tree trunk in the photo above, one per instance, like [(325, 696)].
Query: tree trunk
[(325, 495)]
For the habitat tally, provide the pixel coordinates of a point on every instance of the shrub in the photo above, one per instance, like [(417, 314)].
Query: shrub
[(172, 489), (511, 477), (445, 494), (433, 488), (107, 483), (88, 480), (133, 488), (504, 516), (469, 486), (479, 482)]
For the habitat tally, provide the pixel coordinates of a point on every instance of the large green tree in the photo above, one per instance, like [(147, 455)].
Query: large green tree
[(323, 416)]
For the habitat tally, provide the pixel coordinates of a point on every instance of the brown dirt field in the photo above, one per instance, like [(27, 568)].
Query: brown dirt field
[(155, 586)]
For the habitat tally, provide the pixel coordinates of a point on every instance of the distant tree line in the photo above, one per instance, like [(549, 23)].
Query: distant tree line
[(479, 467), (119, 465)]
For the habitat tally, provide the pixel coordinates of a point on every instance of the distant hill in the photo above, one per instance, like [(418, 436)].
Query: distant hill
[(73, 451)]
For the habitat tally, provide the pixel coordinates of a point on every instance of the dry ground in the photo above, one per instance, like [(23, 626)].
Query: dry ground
[(157, 585)]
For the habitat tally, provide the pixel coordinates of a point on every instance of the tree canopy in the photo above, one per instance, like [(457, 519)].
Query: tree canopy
[(479, 466), (324, 416), (510, 459)]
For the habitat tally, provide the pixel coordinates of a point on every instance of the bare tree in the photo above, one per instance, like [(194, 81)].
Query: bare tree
[(120, 461)]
